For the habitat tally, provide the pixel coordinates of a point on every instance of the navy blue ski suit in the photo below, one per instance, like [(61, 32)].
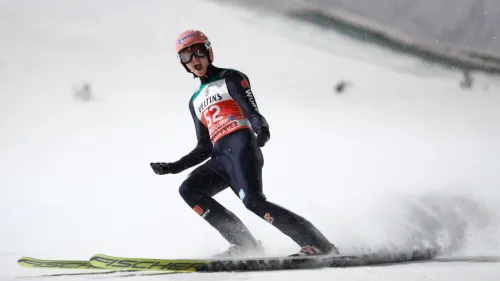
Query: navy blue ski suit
[(235, 160)]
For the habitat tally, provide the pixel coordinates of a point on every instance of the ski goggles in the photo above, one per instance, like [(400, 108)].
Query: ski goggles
[(186, 56)]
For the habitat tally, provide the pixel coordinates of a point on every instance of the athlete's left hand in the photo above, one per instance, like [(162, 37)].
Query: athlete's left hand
[(263, 137)]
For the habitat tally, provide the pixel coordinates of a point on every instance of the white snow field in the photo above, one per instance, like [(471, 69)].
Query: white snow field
[(403, 156)]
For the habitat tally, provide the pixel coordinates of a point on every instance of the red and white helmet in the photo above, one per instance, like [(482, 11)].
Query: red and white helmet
[(192, 37)]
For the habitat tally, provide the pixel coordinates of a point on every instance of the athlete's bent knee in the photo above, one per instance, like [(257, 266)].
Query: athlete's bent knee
[(254, 203), (186, 191)]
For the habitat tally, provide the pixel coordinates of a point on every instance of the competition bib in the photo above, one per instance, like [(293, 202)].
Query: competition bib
[(218, 111)]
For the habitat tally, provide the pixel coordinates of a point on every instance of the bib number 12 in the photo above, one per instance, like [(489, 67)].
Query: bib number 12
[(215, 116)]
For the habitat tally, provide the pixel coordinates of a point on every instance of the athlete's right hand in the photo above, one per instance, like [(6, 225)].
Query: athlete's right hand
[(162, 168)]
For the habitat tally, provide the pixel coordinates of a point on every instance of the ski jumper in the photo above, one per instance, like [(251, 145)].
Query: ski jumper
[(226, 118)]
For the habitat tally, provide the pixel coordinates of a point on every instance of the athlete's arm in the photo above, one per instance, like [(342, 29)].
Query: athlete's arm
[(239, 88), (203, 148)]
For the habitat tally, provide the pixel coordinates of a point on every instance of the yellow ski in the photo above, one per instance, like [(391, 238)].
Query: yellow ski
[(142, 264), (60, 264), (259, 264)]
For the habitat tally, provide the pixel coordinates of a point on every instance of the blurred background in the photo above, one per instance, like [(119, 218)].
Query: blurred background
[(384, 123), (466, 24), (457, 33)]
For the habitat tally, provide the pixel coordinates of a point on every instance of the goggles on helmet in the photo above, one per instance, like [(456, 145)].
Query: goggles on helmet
[(186, 55)]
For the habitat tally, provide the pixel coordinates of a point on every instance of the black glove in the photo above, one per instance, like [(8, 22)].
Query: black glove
[(163, 168), (263, 137)]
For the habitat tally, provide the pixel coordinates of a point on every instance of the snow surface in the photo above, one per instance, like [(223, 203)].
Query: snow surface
[(404, 156)]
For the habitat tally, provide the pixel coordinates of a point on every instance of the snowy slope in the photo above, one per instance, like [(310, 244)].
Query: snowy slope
[(404, 156)]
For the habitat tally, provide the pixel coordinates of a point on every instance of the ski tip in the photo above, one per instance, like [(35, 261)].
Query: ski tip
[(23, 261), (100, 255), (26, 258), (30, 262)]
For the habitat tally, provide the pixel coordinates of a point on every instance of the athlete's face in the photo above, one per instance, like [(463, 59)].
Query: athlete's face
[(198, 66), (196, 59)]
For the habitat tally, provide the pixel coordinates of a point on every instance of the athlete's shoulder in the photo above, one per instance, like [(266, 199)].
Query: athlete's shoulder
[(193, 96), (196, 91), (231, 72), (236, 77), (191, 99)]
